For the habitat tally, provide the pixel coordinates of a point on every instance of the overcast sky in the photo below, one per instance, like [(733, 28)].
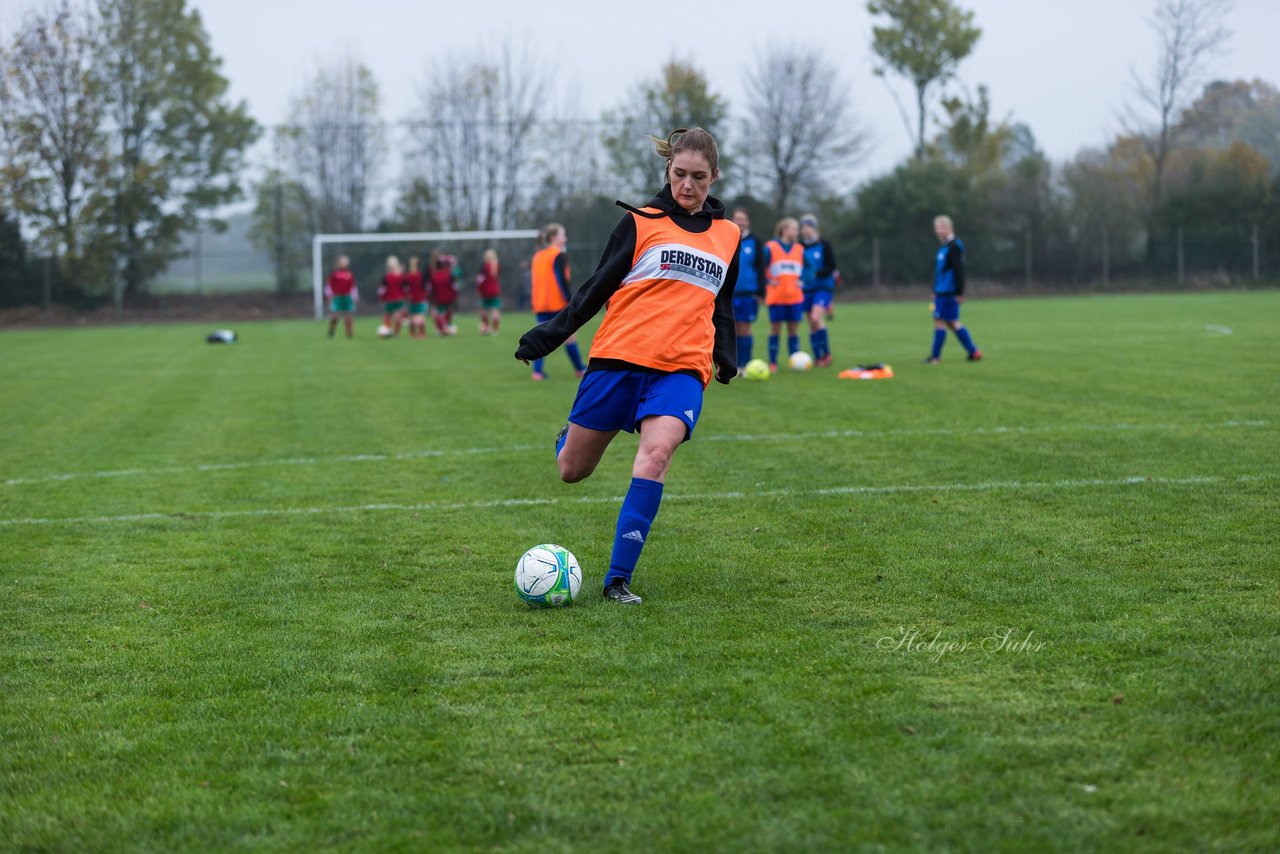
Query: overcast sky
[(1063, 68)]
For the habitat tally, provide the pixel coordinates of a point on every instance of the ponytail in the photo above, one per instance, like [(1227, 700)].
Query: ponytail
[(685, 139)]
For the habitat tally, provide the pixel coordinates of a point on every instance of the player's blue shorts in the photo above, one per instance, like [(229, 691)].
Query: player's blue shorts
[(786, 313), (946, 308), (745, 309), (620, 400), (818, 297), (544, 316)]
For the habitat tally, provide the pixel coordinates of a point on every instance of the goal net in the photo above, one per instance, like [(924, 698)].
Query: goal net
[(368, 253)]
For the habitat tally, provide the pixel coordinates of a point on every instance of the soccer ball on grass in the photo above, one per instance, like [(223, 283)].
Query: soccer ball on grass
[(800, 361), (757, 369), (384, 331), (548, 576)]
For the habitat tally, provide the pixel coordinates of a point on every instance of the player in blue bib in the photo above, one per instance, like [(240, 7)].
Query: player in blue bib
[(948, 292), (746, 293), (819, 283)]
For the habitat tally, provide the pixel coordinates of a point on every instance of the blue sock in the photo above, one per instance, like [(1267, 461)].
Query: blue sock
[(824, 337), (574, 356), (638, 511), (745, 343), (537, 366), (939, 338), (818, 341), (965, 341), (793, 344), (773, 349)]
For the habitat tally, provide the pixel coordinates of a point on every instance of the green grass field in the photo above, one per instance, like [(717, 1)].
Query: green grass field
[(260, 596)]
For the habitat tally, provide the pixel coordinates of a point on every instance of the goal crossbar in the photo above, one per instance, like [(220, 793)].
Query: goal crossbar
[(318, 242)]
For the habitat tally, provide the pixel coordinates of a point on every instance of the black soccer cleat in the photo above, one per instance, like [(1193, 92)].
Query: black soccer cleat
[(619, 592), (931, 360)]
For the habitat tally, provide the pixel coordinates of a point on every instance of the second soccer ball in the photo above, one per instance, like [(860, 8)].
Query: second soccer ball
[(800, 361), (756, 370)]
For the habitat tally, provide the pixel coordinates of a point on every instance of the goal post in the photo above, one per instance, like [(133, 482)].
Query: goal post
[(396, 237)]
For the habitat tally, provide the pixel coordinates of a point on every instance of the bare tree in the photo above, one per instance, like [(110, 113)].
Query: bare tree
[(801, 131), (475, 144), (334, 144), (51, 113), (1191, 35)]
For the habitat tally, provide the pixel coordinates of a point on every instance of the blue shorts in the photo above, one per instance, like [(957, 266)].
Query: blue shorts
[(544, 316), (620, 400), (946, 308), (821, 297), (793, 313), (745, 309)]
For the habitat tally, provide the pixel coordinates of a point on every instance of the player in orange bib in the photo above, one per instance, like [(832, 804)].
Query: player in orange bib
[(667, 277), (549, 275), (784, 266)]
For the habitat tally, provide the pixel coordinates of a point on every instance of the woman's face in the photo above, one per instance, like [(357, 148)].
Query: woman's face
[(809, 233), (560, 239), (789, 233), (690, 177)]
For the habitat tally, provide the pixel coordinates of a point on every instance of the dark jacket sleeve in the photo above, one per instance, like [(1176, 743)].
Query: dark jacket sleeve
[(955, 261), (725, 352), (828, 260), (614, 265)]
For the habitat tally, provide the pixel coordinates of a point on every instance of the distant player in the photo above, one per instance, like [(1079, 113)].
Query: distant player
[(948, 292), (444, 290), (746, 293), (819, 284), (391, 292), (342, 294), (550, 279), (416, 287), (784, 265), (490, 293)]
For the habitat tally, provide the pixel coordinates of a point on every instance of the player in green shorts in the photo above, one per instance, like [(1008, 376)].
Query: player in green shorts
[(342, 294), (490, 294), (416, 288)]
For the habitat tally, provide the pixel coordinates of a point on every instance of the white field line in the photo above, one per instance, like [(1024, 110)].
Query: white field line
[(985, 486), (727, 437)]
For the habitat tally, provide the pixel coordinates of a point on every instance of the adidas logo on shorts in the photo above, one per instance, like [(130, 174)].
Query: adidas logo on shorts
[(688, 413)]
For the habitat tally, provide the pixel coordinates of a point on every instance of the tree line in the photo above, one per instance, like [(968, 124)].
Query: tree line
[(117, 138)]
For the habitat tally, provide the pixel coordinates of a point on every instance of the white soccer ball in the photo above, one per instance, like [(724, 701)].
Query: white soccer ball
[(548, 576), (800, 361), (384, 331)]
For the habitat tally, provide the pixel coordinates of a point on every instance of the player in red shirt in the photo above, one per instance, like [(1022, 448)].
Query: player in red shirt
[(392, 295), (417, 289), (490, 294), (342, 294), (444, 290)]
